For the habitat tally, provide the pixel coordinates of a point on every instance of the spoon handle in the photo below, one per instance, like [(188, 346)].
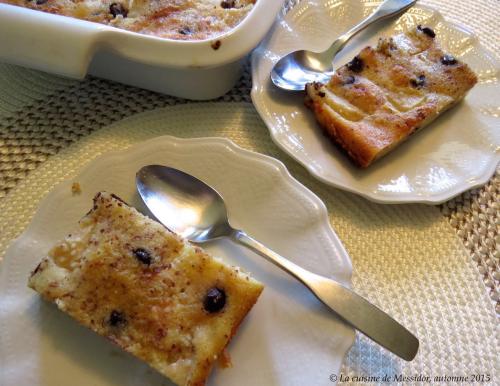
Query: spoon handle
[(355, 310), (387, 9)]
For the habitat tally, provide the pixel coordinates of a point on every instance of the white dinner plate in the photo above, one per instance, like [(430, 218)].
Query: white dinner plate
[(289, 338), (457, 152)]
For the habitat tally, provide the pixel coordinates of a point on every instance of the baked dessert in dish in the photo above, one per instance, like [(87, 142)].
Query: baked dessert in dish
[(385, 94), (172, 19), (146, 289)]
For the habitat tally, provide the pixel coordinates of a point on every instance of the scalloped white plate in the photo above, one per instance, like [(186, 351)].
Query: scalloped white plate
[(457, 152), (289, 338)]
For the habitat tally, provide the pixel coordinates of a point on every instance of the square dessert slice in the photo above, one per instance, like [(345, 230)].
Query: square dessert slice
[(385, 94), (146, 289)]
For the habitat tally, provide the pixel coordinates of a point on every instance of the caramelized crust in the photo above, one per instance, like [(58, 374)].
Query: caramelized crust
[(129, 279), (172, 19), (383, 95)]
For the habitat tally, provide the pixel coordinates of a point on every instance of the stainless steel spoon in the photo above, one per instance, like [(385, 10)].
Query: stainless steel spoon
[(294, 70), (197, 212)]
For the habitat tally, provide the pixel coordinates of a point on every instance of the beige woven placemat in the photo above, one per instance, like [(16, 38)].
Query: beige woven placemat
[(406, 258)]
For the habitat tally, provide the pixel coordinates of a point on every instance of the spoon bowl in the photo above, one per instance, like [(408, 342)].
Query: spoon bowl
[(191, 208), (292, 72), (183, 203)]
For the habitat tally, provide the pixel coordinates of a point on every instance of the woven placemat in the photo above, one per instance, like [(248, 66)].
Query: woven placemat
[(406, 258)]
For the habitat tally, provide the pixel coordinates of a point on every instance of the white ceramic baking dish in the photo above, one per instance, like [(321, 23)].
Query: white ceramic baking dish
[(75, 48)]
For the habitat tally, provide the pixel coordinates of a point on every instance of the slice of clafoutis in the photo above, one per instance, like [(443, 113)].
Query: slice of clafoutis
[(145, 288), (385, 94)]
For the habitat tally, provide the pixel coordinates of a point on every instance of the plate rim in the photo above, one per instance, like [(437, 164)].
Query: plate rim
[(133, 151), (373, 195)]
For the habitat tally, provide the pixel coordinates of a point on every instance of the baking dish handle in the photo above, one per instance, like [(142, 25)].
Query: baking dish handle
[(34, 39)]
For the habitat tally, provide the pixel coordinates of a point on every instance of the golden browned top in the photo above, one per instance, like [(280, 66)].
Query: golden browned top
[(146, 289), (385, 94), (172, 19)]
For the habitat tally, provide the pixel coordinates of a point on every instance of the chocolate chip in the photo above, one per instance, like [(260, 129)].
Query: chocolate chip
[(40, 2), (227, 4), (321, 94), (356, 64), (418, 82), (215, 299), (185, 31), (143, 256), (117, 319), (216, 45), (118, 9), (448, 60), (349, 80), (426, 30)]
